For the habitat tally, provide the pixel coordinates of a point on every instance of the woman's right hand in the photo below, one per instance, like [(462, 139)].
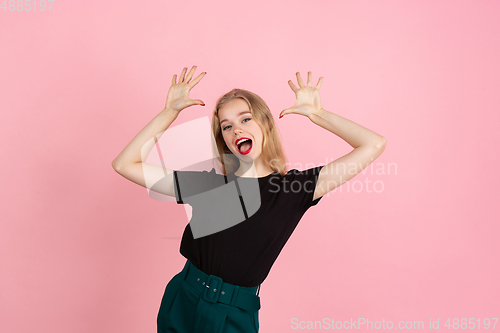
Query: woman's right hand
[(178, 94)]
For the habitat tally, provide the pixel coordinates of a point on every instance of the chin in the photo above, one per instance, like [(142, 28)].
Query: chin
[(246, 158)]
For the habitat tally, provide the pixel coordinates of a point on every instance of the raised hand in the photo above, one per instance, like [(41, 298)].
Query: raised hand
[(178, 94), (308, 100)]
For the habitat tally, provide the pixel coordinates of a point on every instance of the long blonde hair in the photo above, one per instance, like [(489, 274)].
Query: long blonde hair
[(272, 150)]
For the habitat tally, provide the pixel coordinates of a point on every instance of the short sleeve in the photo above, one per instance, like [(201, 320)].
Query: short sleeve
[(190, 183), (303, 184)]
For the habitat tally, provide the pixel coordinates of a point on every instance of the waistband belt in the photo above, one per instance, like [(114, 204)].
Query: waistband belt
[(214, 290)]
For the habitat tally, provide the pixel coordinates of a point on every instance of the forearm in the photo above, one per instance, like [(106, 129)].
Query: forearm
[(142, 143), (354, 134)]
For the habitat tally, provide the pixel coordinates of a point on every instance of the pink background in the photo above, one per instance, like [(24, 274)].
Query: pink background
[(84, 250)]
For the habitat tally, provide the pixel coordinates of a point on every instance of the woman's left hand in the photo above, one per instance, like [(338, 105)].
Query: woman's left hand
[(308, 100)]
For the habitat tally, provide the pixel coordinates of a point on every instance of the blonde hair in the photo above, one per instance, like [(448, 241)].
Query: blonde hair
[(272, 150)]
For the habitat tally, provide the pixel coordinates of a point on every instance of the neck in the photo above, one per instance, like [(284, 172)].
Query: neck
[(253, 170)]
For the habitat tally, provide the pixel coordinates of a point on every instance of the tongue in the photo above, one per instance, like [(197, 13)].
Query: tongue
[(245, 146)]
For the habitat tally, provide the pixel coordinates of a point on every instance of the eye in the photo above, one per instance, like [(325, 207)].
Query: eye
[(225, 127)]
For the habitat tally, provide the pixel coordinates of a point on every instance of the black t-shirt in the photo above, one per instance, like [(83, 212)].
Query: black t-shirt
[(243, 250)]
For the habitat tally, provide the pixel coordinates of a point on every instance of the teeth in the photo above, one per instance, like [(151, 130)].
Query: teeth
[(241, 141)]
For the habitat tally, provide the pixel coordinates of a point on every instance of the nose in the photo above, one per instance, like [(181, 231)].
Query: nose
[(237, 130)]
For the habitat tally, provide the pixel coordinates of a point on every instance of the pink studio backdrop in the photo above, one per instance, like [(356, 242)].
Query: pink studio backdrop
[(413, 238)]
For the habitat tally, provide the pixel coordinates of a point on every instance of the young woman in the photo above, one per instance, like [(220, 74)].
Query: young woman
[(229, 256)]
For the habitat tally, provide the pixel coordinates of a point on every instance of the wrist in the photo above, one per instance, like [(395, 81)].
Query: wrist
[(317, 114), (170, 111)]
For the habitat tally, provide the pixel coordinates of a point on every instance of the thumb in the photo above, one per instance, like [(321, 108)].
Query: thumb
[(198, 102), (284, 112)]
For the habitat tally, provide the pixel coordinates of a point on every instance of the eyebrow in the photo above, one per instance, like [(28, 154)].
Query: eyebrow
[(241, 113)]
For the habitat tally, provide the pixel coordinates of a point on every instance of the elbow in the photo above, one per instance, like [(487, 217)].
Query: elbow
[(381, 144), (115, 165)]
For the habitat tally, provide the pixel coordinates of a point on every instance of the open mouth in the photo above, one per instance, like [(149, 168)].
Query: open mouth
[(244, 146)]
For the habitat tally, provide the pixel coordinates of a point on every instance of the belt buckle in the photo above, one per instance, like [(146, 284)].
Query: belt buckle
[(213, 282)]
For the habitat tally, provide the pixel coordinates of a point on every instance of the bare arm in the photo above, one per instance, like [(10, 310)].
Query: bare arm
[(130, 162), (367, 144)]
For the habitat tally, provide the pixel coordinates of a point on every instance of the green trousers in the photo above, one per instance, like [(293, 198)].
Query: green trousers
[(196, 302)]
